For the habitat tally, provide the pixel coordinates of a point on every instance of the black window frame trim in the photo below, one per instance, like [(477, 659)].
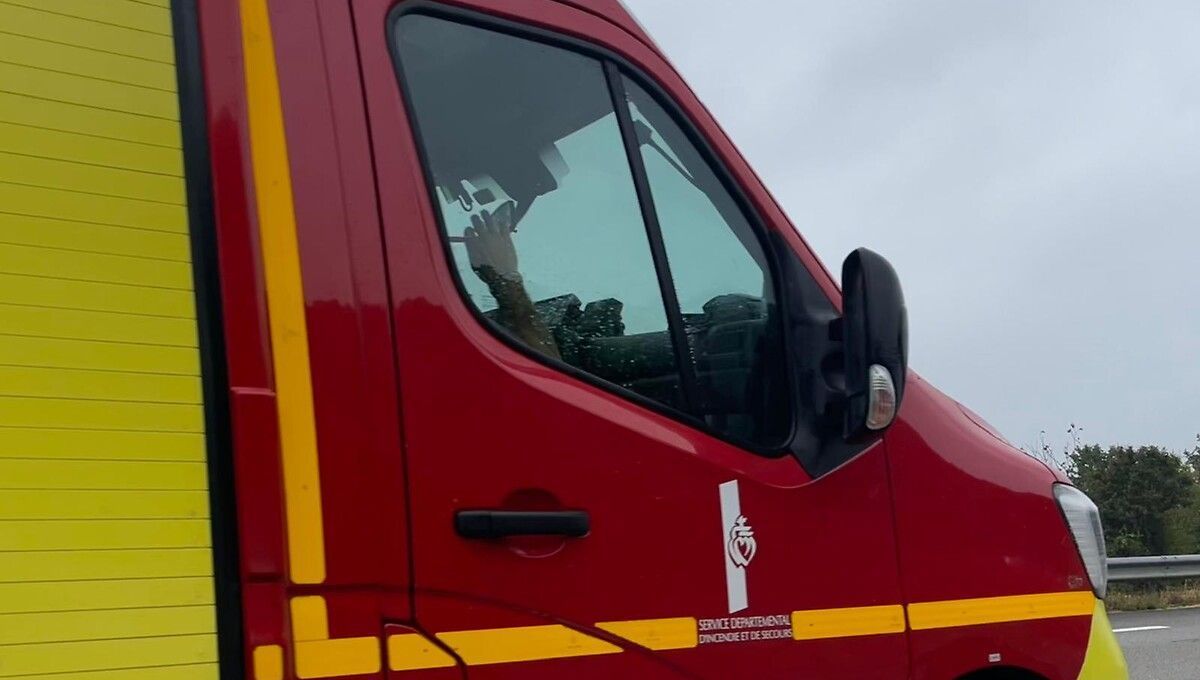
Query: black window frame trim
[(658, 249), (613, 66), (214, 376)]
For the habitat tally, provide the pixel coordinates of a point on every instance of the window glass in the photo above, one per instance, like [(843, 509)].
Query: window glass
[(538, 200), (722, 281)]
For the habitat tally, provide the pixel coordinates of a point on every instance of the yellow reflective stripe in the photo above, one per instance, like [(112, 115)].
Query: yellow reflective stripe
[(285, 299), (523, 643), (675, 633), (335, 658), (268, 662), (412, 652), (310, 619), (817, 624), (316, 655), (984, 610)]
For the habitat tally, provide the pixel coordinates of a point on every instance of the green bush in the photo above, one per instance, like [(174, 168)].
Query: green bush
[(1181, 526), (1145, 494)]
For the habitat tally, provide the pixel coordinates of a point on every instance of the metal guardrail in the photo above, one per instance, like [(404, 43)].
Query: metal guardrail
[(1153, 567)]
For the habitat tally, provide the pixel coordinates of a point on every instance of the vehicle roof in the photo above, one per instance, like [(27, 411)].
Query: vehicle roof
[(614, 11)]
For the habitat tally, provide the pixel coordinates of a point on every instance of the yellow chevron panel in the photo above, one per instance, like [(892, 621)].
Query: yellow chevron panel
[(41, 596), (93, 35), (101, 504), (23, 629), (101, 444), (103, 326), (125, 13), (91, 179), (87, 120), (67, 657), (52, 56), (105, 538), (99, 534), (18, 350), (75, 565)]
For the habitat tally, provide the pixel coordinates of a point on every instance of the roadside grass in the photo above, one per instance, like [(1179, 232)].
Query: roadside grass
[(1153, 595)]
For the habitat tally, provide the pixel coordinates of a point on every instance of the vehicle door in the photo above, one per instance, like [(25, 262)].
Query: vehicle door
[(600, 394)]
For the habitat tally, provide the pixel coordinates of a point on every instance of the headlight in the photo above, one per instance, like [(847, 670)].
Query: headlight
[(1083, 517)]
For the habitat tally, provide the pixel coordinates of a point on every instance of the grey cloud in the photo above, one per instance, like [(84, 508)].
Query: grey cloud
[(1030, 168)]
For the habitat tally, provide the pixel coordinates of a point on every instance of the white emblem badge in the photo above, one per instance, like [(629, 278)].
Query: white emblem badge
[(737, 544), (742, 545)]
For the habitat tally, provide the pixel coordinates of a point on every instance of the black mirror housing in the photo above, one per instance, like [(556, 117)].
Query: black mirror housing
[(875, 335)]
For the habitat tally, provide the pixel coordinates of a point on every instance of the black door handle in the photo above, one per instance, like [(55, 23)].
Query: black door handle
[(501, 523)]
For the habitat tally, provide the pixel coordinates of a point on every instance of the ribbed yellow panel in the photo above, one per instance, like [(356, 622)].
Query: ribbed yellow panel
[(68, 324), (105, 539), (133, 14), (74, 118), (35, 142), (110, 654), (96, 239), (29, 566), (20, 598), (198, 671), (33, 20)]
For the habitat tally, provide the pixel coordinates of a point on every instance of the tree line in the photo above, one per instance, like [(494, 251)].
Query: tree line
[(1149, 496)]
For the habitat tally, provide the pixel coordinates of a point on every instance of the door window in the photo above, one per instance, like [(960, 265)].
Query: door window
[(722, 282), (552, 227), (537, 200)]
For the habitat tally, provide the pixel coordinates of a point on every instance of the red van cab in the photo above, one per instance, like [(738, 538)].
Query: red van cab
[(512, 368)]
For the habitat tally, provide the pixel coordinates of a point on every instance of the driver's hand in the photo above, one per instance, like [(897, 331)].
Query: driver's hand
[(489, 244)]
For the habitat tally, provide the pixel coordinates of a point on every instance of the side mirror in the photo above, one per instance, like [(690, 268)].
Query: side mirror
[(875, 333)]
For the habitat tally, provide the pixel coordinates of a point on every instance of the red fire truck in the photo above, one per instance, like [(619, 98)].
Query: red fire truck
[(454, 339)]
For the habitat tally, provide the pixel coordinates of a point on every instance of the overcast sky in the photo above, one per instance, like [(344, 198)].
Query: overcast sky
[(1032, 169)]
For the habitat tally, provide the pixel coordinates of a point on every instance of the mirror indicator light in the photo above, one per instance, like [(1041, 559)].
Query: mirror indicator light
[(881, 404)]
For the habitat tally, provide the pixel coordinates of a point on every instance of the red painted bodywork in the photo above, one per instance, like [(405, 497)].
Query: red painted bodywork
[(421, 411)]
